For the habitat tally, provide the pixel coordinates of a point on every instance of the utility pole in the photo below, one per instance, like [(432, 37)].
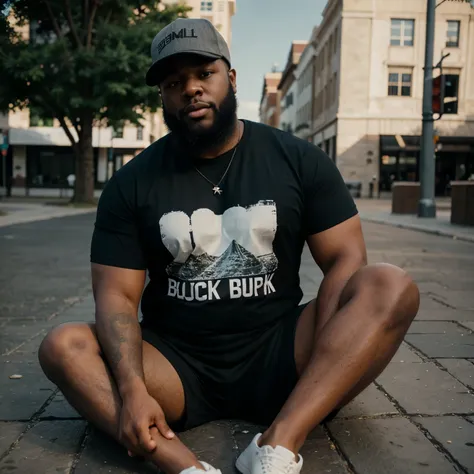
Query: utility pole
[(427, 204)]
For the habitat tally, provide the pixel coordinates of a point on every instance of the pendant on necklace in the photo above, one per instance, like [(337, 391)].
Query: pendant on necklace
[(217, 190)]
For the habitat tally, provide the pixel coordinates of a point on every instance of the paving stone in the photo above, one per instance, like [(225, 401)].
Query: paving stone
[(446, 314), (462, 369), (48, 448), (320, 455), (428, 304), (9, 433), (406, 354), (27, 352), (468, 324), (459, 299), (318, 452), (21, 398), (426, 389), (371, 402), (103, 455), (213, 443), (431, 288), (388, 446), (456, 345), (455, 434), (244, 432), (433, 327), (60, 408)]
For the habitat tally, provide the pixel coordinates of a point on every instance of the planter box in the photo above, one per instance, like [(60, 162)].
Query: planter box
[(462, 202), (405, 197)]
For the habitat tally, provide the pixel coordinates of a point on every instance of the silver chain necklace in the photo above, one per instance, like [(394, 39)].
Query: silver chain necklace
[(216, 187)]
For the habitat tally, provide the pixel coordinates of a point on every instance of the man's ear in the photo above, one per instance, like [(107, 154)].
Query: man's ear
[(233, 79)]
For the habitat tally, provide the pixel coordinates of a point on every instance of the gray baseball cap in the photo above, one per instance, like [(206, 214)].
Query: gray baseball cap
[(186, 35)]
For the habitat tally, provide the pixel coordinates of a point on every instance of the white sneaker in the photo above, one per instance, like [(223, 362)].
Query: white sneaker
[(268, 460), (195, 470)]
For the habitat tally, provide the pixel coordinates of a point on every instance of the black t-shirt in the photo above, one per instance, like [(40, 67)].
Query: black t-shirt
[(222, 268)]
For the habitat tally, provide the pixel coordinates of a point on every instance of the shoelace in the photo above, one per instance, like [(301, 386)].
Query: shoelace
[(271, 463)]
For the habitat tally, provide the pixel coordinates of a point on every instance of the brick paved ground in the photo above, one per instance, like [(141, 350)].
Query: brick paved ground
[(417, 418)]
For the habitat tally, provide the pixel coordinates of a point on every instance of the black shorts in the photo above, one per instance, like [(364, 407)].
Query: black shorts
[(258, 393)]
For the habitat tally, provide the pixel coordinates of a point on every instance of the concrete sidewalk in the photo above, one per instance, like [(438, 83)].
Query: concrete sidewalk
[(22, 211), (417, 418), (379, 211)]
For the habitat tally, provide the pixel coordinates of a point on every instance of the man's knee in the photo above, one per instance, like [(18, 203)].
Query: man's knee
[(65, 344), (390, 292)]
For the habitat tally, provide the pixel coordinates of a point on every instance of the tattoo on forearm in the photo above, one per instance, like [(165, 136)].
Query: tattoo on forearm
[(118, 327), (121, 338)]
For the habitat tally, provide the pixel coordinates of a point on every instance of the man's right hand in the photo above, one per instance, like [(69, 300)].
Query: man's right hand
[(139, 413)]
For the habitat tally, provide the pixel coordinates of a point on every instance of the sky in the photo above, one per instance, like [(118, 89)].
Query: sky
[(262, 32)]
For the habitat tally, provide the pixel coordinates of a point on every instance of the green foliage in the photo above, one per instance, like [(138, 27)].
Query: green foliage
[(85, 58)]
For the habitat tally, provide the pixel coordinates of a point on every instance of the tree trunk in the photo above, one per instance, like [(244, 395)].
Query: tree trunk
[(84, 163)]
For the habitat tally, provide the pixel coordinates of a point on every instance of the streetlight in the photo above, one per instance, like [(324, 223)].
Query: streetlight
[(427, 204)]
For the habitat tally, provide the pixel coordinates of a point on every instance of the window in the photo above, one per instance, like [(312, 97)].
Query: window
[(206, 6), (117, 132), (221, 5), (402, 32), (452, 40), (139, 132), (399, 82)]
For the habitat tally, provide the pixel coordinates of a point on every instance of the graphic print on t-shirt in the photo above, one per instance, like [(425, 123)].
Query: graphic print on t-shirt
[(236, 247)]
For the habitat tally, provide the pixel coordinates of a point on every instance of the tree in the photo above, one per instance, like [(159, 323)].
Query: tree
[(82, 62)]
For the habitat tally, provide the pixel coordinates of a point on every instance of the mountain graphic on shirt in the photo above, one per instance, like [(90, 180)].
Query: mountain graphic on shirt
[(235, 262), (209, 246)]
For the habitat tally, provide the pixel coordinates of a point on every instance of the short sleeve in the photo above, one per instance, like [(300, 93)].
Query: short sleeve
[(328, 201), (115, 240)]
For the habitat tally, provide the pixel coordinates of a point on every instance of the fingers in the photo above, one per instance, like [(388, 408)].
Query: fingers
[(145, 440), (163, 427)]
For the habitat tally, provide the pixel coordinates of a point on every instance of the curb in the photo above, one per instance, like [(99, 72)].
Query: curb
[(426, 230), (25, 219)]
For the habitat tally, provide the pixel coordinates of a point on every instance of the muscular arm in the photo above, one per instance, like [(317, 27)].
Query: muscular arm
[(339, 251), (117, 293)]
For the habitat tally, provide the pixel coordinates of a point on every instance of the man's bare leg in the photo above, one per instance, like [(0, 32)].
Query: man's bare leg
[(340, 357), (71, 358)]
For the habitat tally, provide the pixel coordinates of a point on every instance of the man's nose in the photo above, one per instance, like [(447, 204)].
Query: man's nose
[(192, 87)]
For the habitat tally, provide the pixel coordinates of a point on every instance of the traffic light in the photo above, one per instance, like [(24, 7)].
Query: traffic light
[(451, 90), (438, 94), (445, 94)]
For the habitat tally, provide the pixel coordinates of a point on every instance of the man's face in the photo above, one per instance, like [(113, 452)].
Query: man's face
[(199, 103)]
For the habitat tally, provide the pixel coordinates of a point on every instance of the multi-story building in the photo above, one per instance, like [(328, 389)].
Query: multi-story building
[(218, 12), (288, 88), (368, 89), (40, 157), (304, 74), (270, 101)]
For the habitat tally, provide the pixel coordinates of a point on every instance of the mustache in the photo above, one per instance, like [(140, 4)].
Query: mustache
[(196, 106)]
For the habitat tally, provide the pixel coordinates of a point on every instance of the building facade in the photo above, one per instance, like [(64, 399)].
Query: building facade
[(304, 74), (288, 88), (368, 90), (218, 12), (39, 158), (270, 101)]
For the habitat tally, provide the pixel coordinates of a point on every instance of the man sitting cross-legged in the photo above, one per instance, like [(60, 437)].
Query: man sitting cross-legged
[(218, 212)]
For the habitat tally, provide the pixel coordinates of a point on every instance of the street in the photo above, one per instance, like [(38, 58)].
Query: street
[(417, 418)]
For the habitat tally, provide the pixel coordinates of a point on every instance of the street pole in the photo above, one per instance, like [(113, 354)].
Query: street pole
[(427, 205)]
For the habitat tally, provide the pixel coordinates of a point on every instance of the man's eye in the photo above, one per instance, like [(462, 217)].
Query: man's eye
[(206, 73), (170, 85)]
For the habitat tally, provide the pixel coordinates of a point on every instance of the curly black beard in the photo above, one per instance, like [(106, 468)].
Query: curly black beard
[(199, 141)]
